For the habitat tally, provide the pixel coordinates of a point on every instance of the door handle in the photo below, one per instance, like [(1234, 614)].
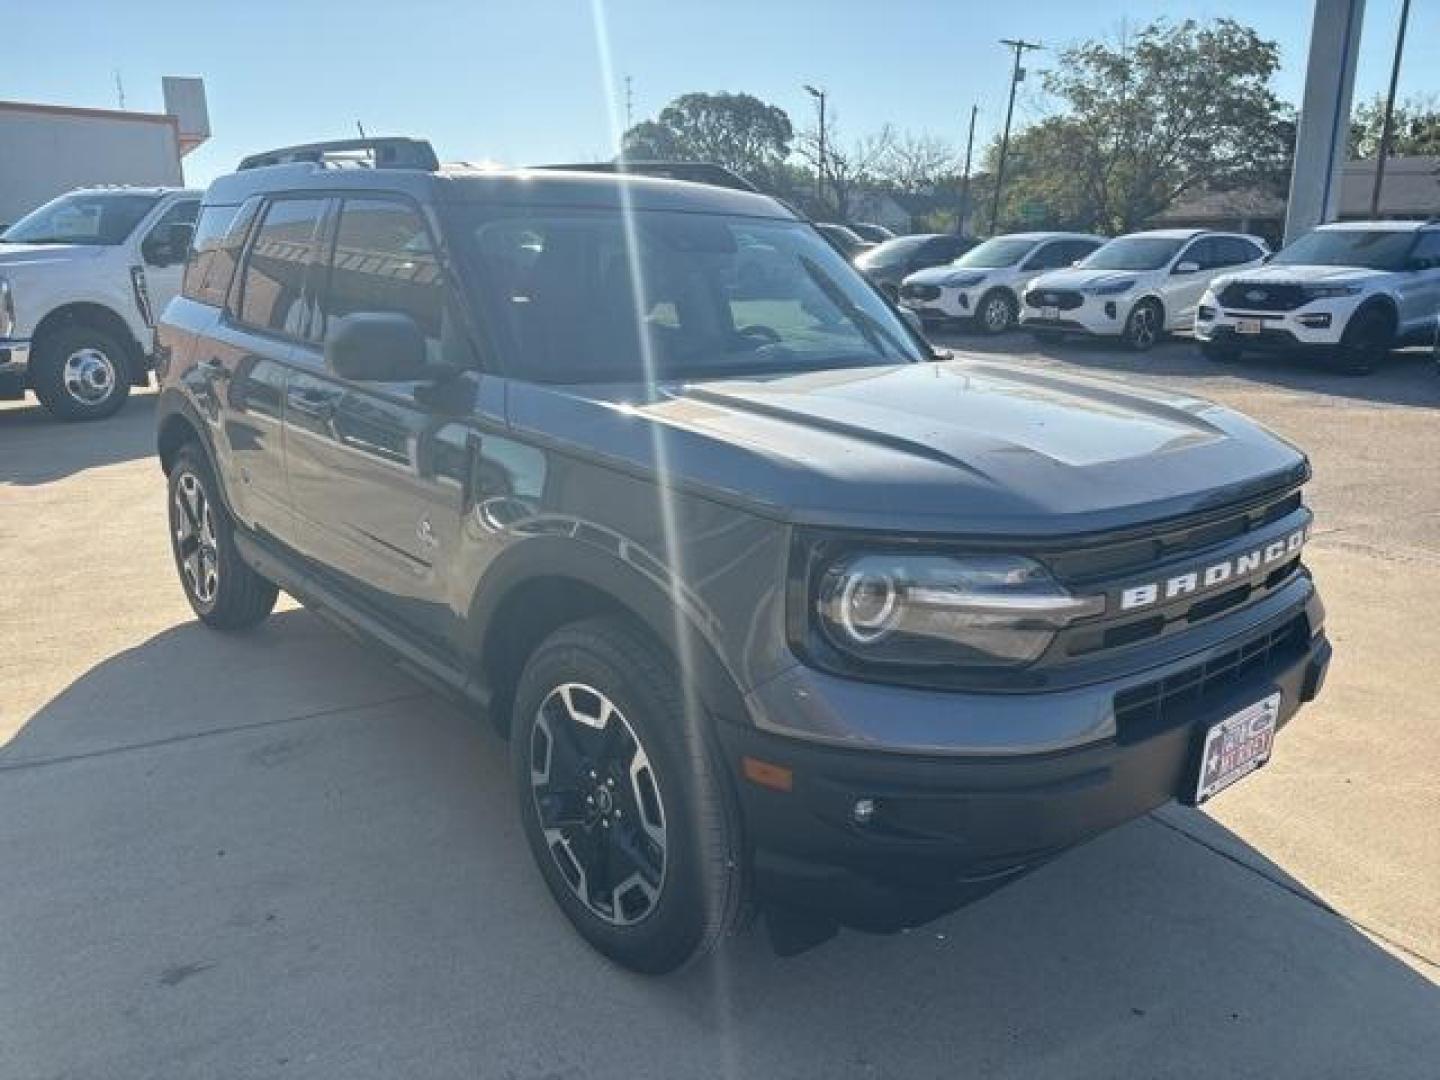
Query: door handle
[(315, 404)]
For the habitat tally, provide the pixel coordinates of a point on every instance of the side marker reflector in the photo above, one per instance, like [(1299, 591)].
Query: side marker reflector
[(767, 774)]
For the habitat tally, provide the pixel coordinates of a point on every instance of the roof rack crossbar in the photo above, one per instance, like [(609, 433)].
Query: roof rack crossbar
[(384, 153)]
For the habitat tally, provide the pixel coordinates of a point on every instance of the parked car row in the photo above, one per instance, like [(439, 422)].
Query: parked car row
[(1346, 292)]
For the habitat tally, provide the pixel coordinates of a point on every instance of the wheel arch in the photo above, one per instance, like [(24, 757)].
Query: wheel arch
[(543, 583), (101, 317), (1382, 302)]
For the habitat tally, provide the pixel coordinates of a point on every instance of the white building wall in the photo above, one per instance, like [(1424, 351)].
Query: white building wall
[(45, 152)]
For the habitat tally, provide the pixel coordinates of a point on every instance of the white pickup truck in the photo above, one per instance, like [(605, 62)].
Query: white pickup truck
[(82, 279)]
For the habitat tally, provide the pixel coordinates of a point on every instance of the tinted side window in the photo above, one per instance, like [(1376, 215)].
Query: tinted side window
[(1234, 251), (204, 280), (273, 293), (942, 247), (1057, 254), (1426, 252), (1078, 249), (384, 261), (1202, 253)]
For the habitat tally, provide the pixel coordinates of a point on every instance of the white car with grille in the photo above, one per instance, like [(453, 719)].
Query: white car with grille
[(985, 284), (1346, 293), (1137, 287)]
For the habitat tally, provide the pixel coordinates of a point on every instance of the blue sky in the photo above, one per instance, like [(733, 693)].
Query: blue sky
[(523, 82)]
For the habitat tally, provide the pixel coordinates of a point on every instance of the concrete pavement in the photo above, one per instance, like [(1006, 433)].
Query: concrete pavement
[(273, 855)]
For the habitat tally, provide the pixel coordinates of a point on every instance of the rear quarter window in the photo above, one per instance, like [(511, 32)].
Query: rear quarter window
[(214, 251)]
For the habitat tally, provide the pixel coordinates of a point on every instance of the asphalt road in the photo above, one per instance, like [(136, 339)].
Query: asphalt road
[(274, 855)]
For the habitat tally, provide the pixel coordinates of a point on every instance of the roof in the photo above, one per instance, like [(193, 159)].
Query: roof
[(463, 183), (1378, 226), (93, 114), (130, 189), (1225, 206), (1169, 234), (1047, 234), (1411, 187)]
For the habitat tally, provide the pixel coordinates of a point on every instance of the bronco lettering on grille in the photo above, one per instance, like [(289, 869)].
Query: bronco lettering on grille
[(1213, 575)]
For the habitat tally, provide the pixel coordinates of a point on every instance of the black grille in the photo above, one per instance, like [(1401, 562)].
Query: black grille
[(1142, 710), (920, 292), (1256, 297), (1064, 299)]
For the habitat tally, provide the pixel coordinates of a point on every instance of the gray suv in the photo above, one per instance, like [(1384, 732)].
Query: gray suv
[(781, 610)]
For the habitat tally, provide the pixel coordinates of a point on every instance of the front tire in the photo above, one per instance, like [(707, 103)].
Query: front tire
[(1144, 326), (629, 822), (222, 589), (997, 312), (81, 373), (1365, 343)]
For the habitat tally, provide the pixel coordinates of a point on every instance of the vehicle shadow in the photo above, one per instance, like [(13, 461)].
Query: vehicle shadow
[(311, 859), (36, 448), (1408, 376)]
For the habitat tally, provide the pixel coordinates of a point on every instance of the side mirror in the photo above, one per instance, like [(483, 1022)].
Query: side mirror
[(376, 346), (1186, 267), (167, 246), (1266, 257)]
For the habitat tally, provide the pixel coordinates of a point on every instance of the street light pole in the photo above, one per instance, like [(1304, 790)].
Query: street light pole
[(1387, 126), (965, 182), (1019, 45), (819, 96)]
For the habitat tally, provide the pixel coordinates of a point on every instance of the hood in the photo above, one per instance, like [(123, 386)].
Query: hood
[(1075, 277), (13, 255), (961, 447), (938, 275), (1304, 275)]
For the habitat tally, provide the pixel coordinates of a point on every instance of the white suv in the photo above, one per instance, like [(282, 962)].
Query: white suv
[(81, 281), (985, 284), (1346, 292), (1137, 287)]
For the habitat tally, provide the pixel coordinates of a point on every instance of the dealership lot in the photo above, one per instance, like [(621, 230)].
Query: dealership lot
[(275, 854)]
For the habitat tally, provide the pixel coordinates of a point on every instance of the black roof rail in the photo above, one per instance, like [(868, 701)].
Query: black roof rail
[(383, 153), (697, 172)]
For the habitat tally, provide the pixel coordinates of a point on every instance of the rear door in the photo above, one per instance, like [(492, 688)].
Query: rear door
[(1420, 288), (378, 470)]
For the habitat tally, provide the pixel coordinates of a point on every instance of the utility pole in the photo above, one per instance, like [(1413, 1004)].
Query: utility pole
[(1019, 45), (629, 102), (1387, 127), (819, 96), (965, 181), (119, 89)]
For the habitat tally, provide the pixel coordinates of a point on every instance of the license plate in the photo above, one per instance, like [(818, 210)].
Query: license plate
[(911, 302), (1050, 313), (1237, 746), (1249, 326)]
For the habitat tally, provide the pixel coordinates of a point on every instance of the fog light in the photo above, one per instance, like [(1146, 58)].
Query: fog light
[(1319, 320), (862, 811), (965, 301), (1110, 309), (1205, 313)]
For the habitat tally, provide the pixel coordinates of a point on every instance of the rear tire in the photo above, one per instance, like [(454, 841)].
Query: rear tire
[(222, 589), (1144, 327), (81, 373), (595, 699)]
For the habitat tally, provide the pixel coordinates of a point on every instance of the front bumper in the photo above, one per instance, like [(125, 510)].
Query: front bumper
[(947, 829), (1100, 316), (951, 303), (1277, 330), (14, 367)]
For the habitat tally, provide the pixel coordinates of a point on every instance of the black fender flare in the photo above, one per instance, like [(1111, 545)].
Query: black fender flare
[(629, 579)]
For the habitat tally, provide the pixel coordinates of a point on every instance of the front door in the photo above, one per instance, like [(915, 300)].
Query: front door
[(163, 271), (1419, 292), (378, 470)]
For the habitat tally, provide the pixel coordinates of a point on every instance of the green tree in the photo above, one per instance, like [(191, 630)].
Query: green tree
[(738, 131), (1173, 108), (1415, 131)]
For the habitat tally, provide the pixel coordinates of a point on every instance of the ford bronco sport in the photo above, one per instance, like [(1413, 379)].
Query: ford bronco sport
[(780, 609)]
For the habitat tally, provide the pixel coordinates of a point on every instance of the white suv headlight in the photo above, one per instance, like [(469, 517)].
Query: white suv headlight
[(1330, 292), (7, 309)]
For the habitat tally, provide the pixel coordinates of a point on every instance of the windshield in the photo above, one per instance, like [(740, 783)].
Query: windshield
[(82, 218), (703, 295), (995, 253), (1133, 253), (893, 252), (1375, 249)]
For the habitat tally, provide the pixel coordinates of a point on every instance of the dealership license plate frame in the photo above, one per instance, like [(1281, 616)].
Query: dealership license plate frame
[(1050, 313), (1250, 327), (1251, 730)]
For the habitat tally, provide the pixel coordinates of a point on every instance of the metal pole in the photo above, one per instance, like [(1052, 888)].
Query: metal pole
[(965, 182), (1387, 127), (819, 96), (1015, 76)]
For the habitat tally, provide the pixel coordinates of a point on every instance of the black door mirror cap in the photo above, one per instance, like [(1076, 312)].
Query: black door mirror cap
[(380, 346)]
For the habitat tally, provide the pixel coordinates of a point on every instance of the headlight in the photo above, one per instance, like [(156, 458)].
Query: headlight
[(934, 609), (1111, 288), (963, 281), (7, 309), (1329, 292)]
